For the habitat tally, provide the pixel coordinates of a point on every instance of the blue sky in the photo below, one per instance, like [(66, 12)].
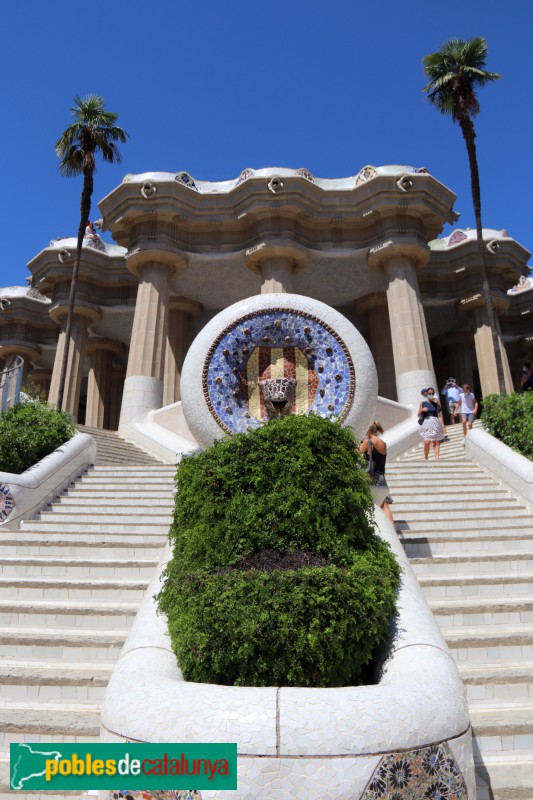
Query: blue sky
[(214, 87)]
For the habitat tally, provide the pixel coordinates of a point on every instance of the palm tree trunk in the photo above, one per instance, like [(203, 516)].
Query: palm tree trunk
[(469, 135), (85, 210)]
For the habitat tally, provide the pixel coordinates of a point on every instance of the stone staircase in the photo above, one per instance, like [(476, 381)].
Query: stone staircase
[(71, 582), (470, 542)]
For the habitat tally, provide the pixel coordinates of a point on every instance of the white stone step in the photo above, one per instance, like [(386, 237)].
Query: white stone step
[(481, 585), (61, 682), (95, 539), (111, 547), (483, 611), (121, 589), (431, 525), (87, 497), (62, 637), (56, 613), (78, 719), (452, 564), (505, 776), (76, 566), (473, 635), (106, 516), (455, 509), (418, 545), (491, 517), (51, 525)]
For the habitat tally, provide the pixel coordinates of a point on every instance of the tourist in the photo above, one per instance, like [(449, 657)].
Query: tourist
[(451, 392), (375, 450), (432, 428), (467, 407), (526, 379)]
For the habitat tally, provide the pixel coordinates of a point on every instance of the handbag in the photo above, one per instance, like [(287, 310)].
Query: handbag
[(378, 484)]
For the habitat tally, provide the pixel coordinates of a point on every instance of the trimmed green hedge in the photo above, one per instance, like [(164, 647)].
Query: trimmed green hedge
[(277, 577), (510, 419), (29, 432)]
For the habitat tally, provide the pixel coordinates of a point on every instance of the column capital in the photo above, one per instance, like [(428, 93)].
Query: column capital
[(92, 314), (39, 374), (153, 252), (500, 301), (97, 343), (266, 251), (185, 304), (410, 247), (27, 352)]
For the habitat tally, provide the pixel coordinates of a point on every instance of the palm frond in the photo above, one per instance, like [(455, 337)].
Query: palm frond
[(92, 131)]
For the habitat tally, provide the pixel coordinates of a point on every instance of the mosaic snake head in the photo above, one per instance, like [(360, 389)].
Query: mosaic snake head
[(278, 395)]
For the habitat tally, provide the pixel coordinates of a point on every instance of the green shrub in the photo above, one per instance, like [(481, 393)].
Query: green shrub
[(277, 577), (29, 432), (510, 419)]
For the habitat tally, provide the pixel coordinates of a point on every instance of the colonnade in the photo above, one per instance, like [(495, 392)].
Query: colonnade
[(397, 333)]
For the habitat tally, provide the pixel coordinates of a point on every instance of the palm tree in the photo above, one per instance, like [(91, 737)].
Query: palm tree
[(455, 71), (92, 131)]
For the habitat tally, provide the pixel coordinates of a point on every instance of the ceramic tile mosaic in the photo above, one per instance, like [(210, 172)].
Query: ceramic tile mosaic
[(186, 179), (7, 503), (245, 174), (305, 174), (364, 175), (456, 237), (430, 772), (279, 342)]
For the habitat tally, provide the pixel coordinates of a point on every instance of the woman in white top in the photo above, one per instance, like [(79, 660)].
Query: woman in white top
[(467, 407)]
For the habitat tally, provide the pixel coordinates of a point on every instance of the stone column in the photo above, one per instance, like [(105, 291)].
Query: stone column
[(28, 353), (375, 305), (117, 389), (83, 317), (475, 307), (276, 264), (181, 309), (101, 353), (143, 387), (410, 344), (460, 357)]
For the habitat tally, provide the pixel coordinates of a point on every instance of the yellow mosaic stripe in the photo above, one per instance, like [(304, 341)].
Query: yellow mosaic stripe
[(302, 386), (277, 364), (254, 398)]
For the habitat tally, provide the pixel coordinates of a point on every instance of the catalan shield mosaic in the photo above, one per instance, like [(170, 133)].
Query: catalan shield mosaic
[(277, 343)]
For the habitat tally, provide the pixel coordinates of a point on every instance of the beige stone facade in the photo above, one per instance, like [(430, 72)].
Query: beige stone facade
[(370, 245)]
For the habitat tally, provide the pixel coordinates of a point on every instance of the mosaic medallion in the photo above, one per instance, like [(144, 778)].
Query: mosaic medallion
[(7, 503), (430, 773), (276, 344)]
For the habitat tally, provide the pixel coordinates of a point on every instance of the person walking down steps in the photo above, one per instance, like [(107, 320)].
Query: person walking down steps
[(467, 407), (431, 424)]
